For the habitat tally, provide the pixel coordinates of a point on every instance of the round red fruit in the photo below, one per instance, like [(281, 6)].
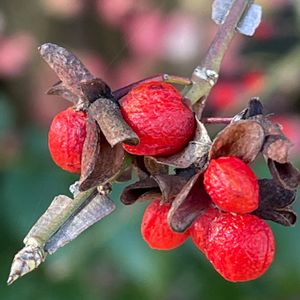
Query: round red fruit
[(156, 112), (199, 229), (232, 185), (155, 229), (66, 137), (240, 247)]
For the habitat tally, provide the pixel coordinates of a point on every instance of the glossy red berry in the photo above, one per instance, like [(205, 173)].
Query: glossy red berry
[(66, 137), (155, 111), (232, 185), (199, 229), (240, 247), (155, 229)]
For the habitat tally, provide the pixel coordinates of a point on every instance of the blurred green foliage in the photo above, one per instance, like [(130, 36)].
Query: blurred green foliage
[(110, 260)]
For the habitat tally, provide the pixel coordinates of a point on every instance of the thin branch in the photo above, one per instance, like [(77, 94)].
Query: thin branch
[(206, 74), (215, 121)]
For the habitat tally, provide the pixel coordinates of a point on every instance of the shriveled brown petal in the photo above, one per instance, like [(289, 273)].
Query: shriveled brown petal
[(91, 149), (275, 203), (242, 139), (276, 147), (286, 217), (138, 164), (284, 174), (146, 188), (59, 89), (273, 195), (196, 152), (94, 89), (100, 162), (190, 202), (107, 114), (125, 175), (67, 66), (153, 167), (170, 185), (164, 186)]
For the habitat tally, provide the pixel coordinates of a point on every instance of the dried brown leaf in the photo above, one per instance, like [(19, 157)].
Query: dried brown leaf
[(107, 114), (196, 152), (242, 139), (189, 203), (284, 174)]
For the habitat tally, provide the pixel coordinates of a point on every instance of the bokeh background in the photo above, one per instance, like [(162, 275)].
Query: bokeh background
[(122, 41)]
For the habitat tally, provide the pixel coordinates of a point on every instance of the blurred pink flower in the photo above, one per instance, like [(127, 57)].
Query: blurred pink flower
[(143, 33), (129, 71), (15, 52), (94, 62), (115, 11), (42, 108), (229, 94), (182, 37), (63, 8)]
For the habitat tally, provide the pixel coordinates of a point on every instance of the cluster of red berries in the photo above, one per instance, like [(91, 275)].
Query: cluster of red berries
[(239, 245), (154, 110)]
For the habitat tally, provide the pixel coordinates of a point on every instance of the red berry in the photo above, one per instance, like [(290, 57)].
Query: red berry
[(199, 229), (240, 247), (155, 111), (66, 137), (155, 229), (232, 185)]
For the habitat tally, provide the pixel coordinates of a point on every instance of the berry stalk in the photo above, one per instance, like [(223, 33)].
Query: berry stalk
[(217, 120)]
